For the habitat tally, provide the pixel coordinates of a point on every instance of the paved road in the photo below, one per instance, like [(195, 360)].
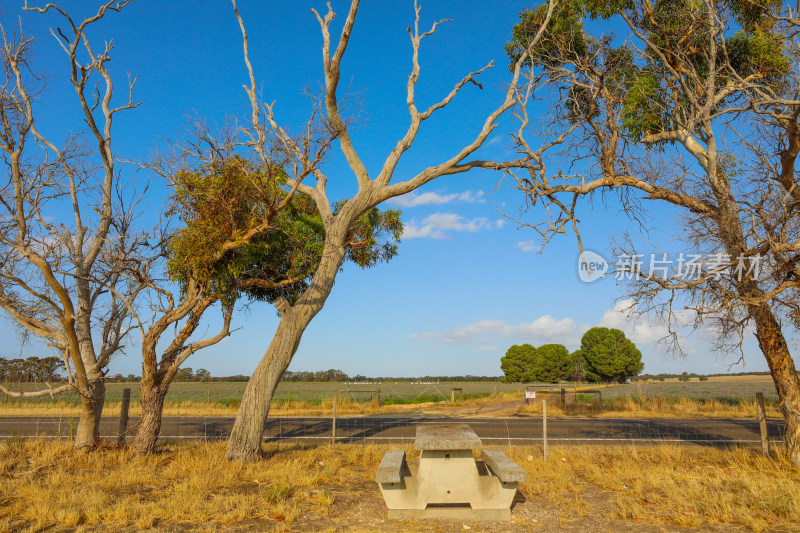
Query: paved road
[(402, 429)]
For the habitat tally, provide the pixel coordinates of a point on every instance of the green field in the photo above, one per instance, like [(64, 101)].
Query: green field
[(695, 390), (313, 393), (230, 394)]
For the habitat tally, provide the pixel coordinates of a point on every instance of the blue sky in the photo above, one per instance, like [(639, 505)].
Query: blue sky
[(467, 282)]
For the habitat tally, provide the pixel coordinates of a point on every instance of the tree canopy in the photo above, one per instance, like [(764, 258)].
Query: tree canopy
[(517, 363), (609, 356), (245, 233), (548, 363)]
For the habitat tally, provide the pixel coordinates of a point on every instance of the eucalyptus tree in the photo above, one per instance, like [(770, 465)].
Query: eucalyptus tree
[(58, 201), (306, 173), (695, 104), (243, 234)]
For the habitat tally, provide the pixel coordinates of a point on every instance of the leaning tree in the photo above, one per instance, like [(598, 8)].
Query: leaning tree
[(696, 106), (307, 173), (241, 233), (58, 203)]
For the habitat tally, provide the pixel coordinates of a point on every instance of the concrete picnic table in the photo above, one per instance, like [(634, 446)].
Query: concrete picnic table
[(449, 483)]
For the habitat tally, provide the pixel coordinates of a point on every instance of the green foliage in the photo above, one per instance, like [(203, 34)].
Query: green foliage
[(578, 366), (234, 239), (553, 364), (640, 93), (548, 363), (563, 37), (31, 369), (609, 356), (759, 54), (752, 15), (216, 204), (684, 377), (364, 238), (641, 116), (517, 363)]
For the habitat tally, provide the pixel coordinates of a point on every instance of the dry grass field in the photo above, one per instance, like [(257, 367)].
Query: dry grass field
[(711, 399), (649, 407), (762, 378), (46, 485)]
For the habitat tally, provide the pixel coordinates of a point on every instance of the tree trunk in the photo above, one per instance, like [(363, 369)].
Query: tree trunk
[(245, 439), (784, 374), (88, 431), (768, 330), (151, 398)]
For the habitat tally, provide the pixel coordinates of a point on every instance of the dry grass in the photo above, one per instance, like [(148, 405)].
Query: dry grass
[(745, 378), (649, 407), (671, 485), (46, 484)]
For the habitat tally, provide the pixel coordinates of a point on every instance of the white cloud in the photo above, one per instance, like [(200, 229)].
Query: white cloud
[(621, 317), (437, 225), (546, 329), (542, 330), (528, 246), (414, 199)]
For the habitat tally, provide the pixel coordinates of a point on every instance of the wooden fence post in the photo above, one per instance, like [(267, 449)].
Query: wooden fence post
[(123, 416), (762, 422), (380, 398), (563, 398), (333, 426), (544, 428)]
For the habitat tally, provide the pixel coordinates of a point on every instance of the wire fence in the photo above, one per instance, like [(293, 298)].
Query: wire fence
[(402, 429)]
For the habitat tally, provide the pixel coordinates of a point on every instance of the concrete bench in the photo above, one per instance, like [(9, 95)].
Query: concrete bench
[(448, 483), (504, 468), (392, 467)]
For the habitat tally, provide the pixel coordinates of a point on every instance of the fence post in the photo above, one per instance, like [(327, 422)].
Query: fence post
[(333, 426), (563, 398), (123, 416), (380, 398), (544, 428), (762, 422), (452, 396), (600, 397)]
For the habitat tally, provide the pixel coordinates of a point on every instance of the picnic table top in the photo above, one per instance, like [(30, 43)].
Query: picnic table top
[(446, 437)]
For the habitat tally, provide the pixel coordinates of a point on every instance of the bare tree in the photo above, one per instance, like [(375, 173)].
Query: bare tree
[(49, 262), (698, 108), (309, 178)]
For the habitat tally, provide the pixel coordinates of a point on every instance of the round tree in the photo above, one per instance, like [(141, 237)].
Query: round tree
[(552, 363), (609, 356), (518, 363)]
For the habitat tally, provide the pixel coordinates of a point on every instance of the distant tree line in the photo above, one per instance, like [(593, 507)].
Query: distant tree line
[(333, 375), (187, 375), (605, 355), (31, 370)]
